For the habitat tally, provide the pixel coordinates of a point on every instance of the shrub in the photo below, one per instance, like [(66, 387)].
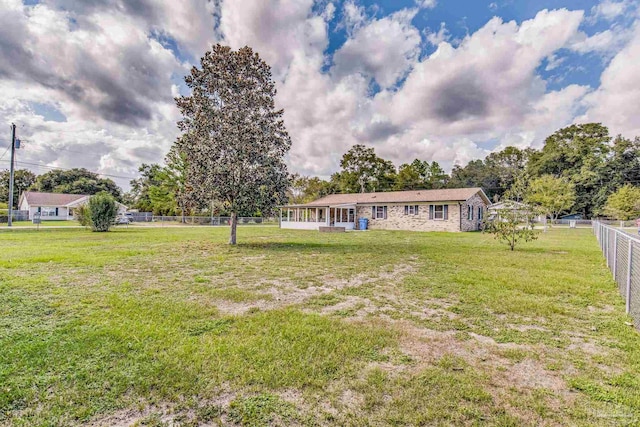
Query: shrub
[(83, 215), (624, 204), (102, 211)]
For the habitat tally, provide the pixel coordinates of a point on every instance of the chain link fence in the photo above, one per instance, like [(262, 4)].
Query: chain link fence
[(161, 220), (622, 252)]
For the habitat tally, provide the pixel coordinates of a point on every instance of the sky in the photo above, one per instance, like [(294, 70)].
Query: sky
[(91, 83)]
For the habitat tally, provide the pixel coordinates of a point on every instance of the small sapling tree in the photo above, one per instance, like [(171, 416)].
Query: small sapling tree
[(512, 226)]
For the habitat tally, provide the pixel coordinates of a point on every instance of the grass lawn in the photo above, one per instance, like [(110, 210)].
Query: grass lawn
[(170, 326), (44, 223)]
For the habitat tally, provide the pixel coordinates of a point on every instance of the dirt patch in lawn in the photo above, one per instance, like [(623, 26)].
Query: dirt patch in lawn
[(286, 293)]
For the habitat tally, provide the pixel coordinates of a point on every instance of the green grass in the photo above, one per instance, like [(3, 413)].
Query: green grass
[(44, 223), (164, 325)]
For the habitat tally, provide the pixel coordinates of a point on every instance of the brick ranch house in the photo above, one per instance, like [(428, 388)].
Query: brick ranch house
[(55, 206), (455, 209)]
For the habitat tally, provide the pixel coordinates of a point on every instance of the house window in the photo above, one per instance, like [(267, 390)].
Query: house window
[(411, 210), (470, 213), (379, 212), (480, 213), (352, 215), (438, 212), (47, 211)]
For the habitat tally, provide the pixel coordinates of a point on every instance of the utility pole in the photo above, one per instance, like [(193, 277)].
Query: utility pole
[(13, 156)]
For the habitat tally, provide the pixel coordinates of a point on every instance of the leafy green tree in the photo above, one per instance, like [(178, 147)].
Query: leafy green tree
[(622, 166), (495, 174), (363, 171), (624, 204), (436, 176), (412, 176), (150, 176), (22, 180), (305, 189), (553, 195), (76, 181), (419, 174), (512, 226), (475, 174), (578, 153), (102, 211), (234, 140)]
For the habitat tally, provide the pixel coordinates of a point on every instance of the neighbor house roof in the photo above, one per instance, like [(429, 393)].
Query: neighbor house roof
[(35, 198), (444, 195)]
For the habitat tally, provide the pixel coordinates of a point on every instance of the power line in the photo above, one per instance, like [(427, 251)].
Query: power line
[(5, 152)]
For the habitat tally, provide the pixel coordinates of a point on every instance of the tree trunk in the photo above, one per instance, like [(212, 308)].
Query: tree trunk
[(234, 226)]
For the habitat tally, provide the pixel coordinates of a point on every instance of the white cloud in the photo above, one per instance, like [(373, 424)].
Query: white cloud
[(605, 43), (384, 49), (111, 69), (426, 4), (615, 102), (488, 82), (442, 35), (609, 9)]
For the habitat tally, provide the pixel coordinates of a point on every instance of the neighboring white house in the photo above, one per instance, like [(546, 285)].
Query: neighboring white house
[(518, 207), (55, 206)]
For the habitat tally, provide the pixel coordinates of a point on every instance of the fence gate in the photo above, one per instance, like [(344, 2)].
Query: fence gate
[(622, 252)]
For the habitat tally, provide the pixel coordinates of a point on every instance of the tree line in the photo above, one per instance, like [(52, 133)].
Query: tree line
[(71, 181), (579, 168)]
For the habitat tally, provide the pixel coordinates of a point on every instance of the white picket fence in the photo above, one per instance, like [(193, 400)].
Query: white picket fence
[(622, 252)]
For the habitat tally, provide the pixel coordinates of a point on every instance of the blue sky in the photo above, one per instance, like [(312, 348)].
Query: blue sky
[(446, 81)]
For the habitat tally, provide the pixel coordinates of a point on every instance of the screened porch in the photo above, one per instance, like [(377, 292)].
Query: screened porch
[(313, 217)]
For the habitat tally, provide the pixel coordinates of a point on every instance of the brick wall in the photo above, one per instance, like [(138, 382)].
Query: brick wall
[(397, 220), (475, 202)]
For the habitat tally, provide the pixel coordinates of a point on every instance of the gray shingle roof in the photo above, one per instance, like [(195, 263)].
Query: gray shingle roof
[(35, 198), (444, 195)]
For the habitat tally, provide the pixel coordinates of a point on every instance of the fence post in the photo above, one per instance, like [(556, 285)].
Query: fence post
[(606, 245), (628, 293), (615, 255)]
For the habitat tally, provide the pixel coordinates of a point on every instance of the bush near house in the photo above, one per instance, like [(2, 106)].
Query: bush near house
[(102, 211)]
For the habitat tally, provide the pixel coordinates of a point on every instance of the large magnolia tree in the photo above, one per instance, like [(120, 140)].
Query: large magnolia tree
[(234, 140)]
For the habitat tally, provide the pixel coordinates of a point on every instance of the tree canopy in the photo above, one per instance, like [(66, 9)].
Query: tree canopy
[(553, 195), (22, 180), (624, 204), (233, 138), (75, 181)]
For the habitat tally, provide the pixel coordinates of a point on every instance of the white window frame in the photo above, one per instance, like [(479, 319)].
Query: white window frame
[(412, 209), (379, 212), (47, 211), (435, 212)]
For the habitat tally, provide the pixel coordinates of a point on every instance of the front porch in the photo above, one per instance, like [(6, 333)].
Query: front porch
[(304, 217)]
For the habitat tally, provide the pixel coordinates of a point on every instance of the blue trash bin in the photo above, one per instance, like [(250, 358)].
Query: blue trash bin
[(363, 223)]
